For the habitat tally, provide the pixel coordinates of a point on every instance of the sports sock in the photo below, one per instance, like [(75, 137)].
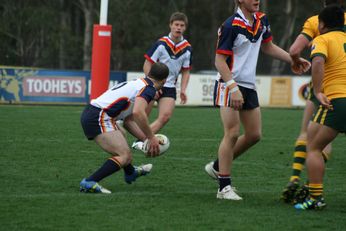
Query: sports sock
[(224, 180), (299, 157), (315, 190), (216, 165), (111, 166), (129, 169)]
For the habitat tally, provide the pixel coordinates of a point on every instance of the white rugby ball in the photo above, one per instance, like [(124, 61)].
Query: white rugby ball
[(164, 144)]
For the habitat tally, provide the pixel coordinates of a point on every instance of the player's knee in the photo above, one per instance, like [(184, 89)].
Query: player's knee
[(128, 160), (254, 137), (231, 135), (125, 156), (165, 118)]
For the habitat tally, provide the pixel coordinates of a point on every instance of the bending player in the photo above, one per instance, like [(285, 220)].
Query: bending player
[(128, 101)]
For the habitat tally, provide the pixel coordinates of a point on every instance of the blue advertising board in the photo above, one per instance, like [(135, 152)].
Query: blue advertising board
[(29, 85)]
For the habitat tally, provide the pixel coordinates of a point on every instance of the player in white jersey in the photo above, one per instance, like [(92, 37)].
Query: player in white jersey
[(240, 38), (127, 101), (176, 52)]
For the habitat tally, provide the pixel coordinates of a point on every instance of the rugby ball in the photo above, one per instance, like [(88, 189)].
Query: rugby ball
[(164, 144)]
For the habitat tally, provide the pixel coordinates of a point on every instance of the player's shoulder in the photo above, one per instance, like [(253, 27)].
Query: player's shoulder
[(186, 43), (333, 35), (161, 40), (313, 19), (147, 86), (237, 20), (144, 81), (229, 21), (260, 15), (321, 39), (143, 84)]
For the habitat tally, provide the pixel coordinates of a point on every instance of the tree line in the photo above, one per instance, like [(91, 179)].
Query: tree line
[(58, 34)]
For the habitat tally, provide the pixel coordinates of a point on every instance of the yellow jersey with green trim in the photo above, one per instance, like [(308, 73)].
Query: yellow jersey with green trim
[(332, 46), (310, 28)]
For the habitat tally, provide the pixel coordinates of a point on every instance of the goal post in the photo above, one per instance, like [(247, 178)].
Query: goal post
[(101, 53)]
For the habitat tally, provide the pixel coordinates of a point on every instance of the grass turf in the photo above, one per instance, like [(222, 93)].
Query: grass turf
[(44, 155)]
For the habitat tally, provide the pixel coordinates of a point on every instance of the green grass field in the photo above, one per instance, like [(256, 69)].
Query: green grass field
[(44, 155)]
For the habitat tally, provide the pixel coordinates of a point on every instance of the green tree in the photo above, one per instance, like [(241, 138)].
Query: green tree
[(58, 34)]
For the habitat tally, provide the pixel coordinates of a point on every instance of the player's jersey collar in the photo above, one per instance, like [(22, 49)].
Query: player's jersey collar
[(170, 38), (241, 14)]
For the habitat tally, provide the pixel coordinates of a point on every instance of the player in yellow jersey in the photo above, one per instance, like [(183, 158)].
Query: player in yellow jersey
[(328, 54), (292, 193)]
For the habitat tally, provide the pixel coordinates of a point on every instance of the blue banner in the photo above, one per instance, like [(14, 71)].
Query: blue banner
[(28, 85)]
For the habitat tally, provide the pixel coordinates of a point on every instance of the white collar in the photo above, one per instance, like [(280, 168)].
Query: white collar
[(170, 37), (240, 12)]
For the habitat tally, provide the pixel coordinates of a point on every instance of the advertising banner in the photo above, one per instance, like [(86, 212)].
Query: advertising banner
[(263, 84), (200, 89), (29, 85), (25, 85), (300, 90), (281, 92)]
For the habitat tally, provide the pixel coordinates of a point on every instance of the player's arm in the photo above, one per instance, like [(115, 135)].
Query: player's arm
[(132, 127), (141, 118), (298, 46), (317, 79), (185, 77), (226, 74), (277, 52), (146, 67)]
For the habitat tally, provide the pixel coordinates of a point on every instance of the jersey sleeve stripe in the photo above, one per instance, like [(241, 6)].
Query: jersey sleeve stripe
[(318, 54), (224, 52), (307, 36), (143, 98), (270, 38), (186, 68), (149, 59)]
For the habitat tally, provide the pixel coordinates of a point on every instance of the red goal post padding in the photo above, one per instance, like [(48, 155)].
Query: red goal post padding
[(100, 63)]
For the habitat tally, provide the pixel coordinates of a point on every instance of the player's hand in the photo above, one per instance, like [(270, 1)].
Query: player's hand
[(183, 98), (324, 100), (300, 66), (154, 148), (237, 100), (158, 94)]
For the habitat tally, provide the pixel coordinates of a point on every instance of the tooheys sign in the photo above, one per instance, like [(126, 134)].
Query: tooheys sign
[(54, 86)]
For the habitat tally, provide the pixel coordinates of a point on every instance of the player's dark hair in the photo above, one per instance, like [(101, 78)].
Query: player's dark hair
[(178, 16), (333, 17), (158, 71), (331, 2)]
